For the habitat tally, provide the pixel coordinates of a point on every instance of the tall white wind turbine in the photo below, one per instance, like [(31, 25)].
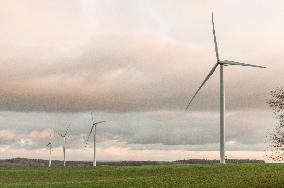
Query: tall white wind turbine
[(49, 145), (220, 63), (94, 127), (64, 144)]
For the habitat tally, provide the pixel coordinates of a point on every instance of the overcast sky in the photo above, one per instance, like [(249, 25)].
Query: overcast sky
[(135, 64)]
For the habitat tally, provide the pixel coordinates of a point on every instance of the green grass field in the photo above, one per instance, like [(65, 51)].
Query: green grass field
[(215, 175)]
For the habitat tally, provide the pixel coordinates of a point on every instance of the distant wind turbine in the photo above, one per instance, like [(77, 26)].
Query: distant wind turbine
[(64, 144), (49, 145), (94, 127), (222, 91)]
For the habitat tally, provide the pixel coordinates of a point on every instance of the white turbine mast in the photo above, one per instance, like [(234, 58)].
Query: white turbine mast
[(64, 144), (222, 91), (93, 128), (49, 145)]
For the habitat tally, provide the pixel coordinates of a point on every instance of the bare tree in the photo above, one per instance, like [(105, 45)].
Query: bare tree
[(275, 150)]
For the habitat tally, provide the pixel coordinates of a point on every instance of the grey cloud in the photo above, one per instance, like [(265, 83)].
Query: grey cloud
[(165, 129), (128, 74), (242, 128)]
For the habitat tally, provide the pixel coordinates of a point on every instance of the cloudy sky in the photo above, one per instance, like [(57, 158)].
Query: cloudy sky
[(135, 64)]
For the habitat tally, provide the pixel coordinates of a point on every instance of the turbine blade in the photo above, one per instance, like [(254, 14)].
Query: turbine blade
[(92, 117), (226, 62), (215, 39), (207, 77), (89, 135), (67, 130), (98, 122), (60, 134)]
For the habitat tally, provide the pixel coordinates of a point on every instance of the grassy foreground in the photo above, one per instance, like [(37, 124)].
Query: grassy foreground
[(215, 175)]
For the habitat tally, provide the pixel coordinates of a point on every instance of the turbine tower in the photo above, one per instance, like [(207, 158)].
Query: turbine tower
[(64, 143), (94, 127), (49, 145), (220, 63)]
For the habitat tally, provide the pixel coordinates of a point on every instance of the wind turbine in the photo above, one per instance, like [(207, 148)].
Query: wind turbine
[(220, 63), (64, 143), (49, 145), (94, 127)]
